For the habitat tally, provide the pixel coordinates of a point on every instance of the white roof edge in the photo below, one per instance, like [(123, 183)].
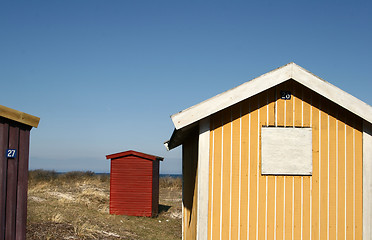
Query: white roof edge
[(266, 81), (333, 93), (230, 97)]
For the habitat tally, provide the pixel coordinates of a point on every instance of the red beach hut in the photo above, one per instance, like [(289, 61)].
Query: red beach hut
[(134, 183)]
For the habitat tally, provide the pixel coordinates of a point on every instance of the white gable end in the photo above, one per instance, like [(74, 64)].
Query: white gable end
[(266, 81)]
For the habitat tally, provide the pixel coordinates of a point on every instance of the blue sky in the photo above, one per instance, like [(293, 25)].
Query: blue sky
[(105, 76)]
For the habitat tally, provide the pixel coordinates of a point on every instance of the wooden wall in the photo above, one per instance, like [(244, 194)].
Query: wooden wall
[(155, 188), (131, 186), (243, 204), (189, 186), (13, 179)]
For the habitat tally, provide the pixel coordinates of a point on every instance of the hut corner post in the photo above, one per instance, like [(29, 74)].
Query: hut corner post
[(203, 179), (367, 180), (195, 170)]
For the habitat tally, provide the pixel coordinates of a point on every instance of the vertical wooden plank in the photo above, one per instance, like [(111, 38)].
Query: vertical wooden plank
[(324, 171), (280, 183), (155, 188), (262, 204), (244, 202), (111, 187), (193, 213), (306, 93), (341, 176), (315, 178), (11, 198), (185, 215), (306, 208), (203, 177), (306, 122), (211, 174), (280, 206), (289, 104), (235, 164), (298, 182), (280, 113), (253, 210), (156, 197), (157, 172), (270, 207), (332, 172), (271, 95), (297, 98), (349, 181), (24, 142), (225, 219), (216, 211), (297, 207), (359, 180), (271, 186), (189, 173), (262, 105), (288, 180), (153, 180), (288, 206), (367, 180), (4, 130)]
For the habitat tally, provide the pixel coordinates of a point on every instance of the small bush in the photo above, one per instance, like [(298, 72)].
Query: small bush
[(75, 175), (39, 175), (170, 182), (103, 177)]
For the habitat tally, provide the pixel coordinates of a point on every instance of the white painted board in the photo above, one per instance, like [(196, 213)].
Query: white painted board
[(367, 180), (286, 151)]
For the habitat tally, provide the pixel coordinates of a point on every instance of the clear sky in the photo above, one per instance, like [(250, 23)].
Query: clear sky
[(105, 76)]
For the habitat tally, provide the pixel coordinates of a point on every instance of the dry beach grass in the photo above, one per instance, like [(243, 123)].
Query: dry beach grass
[(75, 205)]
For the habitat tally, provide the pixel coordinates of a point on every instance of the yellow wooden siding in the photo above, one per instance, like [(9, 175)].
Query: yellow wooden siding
[(243, 204), (235, 174)]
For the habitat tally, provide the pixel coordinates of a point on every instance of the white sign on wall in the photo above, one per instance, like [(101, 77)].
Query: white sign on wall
[(286, 151)]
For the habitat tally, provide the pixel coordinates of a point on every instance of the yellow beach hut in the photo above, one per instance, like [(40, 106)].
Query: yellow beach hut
[(286, 155)]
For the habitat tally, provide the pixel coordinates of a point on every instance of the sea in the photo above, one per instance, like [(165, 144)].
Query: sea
[(160, 175)]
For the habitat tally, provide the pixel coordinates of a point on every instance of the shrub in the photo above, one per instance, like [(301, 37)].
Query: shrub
[(103, 177), (75, 175), (170, 182), (39, 175)]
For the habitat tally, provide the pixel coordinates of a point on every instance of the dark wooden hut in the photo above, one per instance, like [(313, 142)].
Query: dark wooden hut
[(15, 129), (134, 184)]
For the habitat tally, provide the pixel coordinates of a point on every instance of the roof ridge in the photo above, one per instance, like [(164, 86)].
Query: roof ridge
[(263, 82)]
